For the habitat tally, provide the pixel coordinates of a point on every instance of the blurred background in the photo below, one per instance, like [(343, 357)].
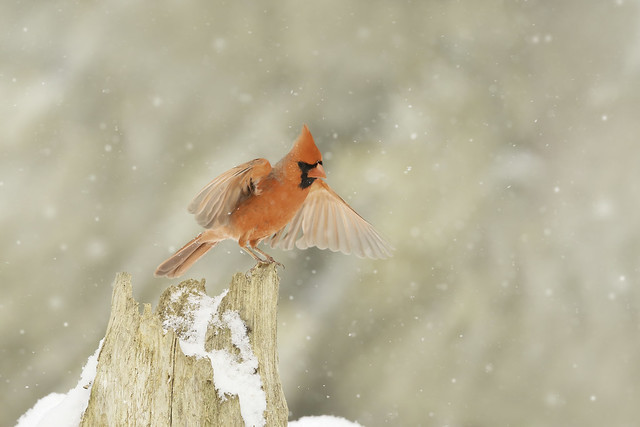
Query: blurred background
[(494, 143)]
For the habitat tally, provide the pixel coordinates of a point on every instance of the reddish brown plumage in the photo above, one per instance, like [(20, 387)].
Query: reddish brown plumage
[(254, 202)]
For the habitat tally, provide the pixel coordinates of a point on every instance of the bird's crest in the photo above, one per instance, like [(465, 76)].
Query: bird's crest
[(305, 149)]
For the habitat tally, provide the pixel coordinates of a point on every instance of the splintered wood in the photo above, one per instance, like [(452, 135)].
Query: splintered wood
[(144, 377)]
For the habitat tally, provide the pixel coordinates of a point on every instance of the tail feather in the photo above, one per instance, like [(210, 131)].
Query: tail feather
[(183, 259)]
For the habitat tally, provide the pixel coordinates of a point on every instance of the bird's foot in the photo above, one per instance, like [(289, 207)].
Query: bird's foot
[(261, 263), (268, 261)]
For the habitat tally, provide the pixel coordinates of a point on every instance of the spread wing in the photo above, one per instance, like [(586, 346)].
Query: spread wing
[(215, 202), (327, 221)]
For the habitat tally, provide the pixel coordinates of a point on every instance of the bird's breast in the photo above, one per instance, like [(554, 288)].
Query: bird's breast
[(261, 215)]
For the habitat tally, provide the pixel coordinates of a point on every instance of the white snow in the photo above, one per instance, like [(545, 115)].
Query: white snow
[(239, 377), (232, 375), (323, 421), (64, 410)]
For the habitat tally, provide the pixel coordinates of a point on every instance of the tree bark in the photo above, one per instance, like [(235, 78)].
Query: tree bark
[(143, 377)]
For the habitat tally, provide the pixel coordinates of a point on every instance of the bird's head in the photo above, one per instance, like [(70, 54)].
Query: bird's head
[(309, 159)]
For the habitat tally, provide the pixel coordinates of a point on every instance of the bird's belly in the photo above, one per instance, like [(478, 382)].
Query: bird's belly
[(261, 216)]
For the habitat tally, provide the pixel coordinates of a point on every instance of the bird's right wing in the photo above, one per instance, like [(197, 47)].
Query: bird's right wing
[(219, 198), (326, 221)]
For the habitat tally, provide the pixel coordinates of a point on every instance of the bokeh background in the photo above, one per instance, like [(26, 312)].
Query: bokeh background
[(494, 143)]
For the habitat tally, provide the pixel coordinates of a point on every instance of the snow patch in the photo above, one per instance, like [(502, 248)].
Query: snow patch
[(64, 410), (323, 421), (232, 375)]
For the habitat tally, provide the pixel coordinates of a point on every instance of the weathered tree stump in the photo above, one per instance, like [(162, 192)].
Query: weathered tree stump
[(229, 376)]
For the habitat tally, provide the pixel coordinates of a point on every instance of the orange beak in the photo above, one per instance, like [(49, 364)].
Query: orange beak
[(317, 172)]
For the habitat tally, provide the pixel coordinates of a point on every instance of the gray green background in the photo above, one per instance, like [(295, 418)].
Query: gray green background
[(494, 143)]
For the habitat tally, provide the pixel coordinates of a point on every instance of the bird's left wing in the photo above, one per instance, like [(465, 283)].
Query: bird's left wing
[(327, 221), (219, 198)]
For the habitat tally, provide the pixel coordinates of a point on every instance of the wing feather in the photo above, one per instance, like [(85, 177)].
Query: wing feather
[(326, 221), (219, 198)]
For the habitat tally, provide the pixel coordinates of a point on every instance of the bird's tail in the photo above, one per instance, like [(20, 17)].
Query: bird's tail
[(182, 260)]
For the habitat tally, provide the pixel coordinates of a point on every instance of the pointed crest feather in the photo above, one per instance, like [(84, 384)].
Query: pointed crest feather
[(304, 148)]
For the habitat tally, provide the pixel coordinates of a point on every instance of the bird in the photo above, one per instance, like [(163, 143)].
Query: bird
[(283, 206)]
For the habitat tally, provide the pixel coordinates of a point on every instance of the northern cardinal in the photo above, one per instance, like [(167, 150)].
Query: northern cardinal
[(255, 202)]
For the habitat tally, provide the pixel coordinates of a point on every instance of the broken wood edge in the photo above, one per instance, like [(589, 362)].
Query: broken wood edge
[(143, 376)]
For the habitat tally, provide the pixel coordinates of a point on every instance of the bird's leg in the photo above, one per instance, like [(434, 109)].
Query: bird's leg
[(248, 250), (268, 257)]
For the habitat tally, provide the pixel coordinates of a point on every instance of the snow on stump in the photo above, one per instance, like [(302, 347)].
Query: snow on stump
[(197, 361)]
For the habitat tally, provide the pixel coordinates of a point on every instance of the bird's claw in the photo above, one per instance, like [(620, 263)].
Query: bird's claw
[(269, 261), (261, 262), (279, 264)]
